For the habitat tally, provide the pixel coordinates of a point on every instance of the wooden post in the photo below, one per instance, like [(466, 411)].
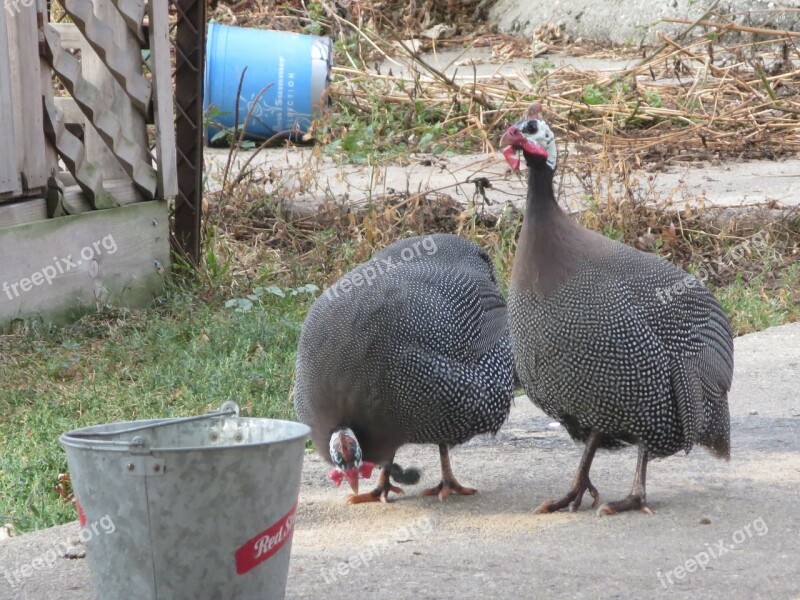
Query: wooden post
[(46, 77), (9, 173), (26, 94), (190, 46), (162, 98)]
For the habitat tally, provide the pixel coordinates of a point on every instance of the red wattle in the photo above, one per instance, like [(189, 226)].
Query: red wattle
[(365, 470), (336, 476), (511, 159), (533, 148)]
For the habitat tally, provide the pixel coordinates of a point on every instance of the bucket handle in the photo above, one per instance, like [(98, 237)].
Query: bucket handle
[(229, 408)]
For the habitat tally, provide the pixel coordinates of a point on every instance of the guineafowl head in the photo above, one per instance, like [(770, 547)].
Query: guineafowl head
[(533, 137), (346, 456)]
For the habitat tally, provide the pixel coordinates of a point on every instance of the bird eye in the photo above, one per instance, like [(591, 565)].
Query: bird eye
[(530, 127)]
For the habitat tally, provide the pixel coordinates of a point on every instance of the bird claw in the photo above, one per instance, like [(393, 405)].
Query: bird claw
[(544, 508), (361, 498), (444, 489), (605, 510), (572, 500), (379, 494), (594, 494), (632, 502)]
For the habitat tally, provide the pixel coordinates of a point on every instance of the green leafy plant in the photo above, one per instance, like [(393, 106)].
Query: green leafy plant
[(594, 95)]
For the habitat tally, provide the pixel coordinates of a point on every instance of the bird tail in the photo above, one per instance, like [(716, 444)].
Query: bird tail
[(717, 437), (516, 382), (408, 476)]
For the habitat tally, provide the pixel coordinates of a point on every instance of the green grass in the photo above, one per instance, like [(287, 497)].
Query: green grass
[(390, 132), (184, 357), (753, 306)]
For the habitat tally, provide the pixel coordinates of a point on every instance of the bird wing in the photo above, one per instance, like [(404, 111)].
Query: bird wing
[(461, 275), (694, 328), (494, 322)]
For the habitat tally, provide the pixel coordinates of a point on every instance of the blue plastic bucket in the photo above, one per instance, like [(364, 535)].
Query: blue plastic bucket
[(298, 67)]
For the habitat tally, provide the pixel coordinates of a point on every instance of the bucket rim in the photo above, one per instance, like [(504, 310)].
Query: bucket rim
[(69, 440)]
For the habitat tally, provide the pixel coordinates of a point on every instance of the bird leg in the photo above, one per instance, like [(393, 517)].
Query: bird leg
[(448, 484), (381, 492), (637, 499), (581, 484)]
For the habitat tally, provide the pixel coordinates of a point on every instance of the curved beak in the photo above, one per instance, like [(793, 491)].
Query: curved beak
[(511, 137)]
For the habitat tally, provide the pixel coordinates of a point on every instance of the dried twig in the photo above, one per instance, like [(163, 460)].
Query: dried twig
[(724, 111), (682, 34)]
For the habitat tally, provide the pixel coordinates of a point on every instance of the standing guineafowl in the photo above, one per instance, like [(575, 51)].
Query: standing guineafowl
[(618, 345), (411, 347)]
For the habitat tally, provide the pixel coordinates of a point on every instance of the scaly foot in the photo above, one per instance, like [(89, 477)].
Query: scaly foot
[(379, 494), (448, 484), (573, 498), (580, 484), (445, 488), (631, 502)]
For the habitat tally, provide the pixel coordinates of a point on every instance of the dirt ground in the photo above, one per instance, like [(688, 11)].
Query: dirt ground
[(718, 530)]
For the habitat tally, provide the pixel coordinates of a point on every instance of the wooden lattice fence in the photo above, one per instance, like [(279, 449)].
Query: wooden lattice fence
[(87, 127), (102, 86)]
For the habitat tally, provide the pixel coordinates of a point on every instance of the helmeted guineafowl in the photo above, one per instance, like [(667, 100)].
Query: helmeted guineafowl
[(409, 347), (620, 346)]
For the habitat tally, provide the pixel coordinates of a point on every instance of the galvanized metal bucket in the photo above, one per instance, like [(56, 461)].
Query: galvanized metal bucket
[(195, 508)]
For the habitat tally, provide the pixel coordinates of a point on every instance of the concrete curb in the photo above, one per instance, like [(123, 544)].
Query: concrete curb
[(633, 22)]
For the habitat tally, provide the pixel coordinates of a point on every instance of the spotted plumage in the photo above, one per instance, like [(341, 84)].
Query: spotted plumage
[(607, 351), (410, 347), (618, 345)]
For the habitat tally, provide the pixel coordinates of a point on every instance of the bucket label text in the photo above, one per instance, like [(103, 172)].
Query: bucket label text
[(266, 544)]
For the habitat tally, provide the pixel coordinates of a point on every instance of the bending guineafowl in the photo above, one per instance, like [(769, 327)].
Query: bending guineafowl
[(410, 347), (602, 343)]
